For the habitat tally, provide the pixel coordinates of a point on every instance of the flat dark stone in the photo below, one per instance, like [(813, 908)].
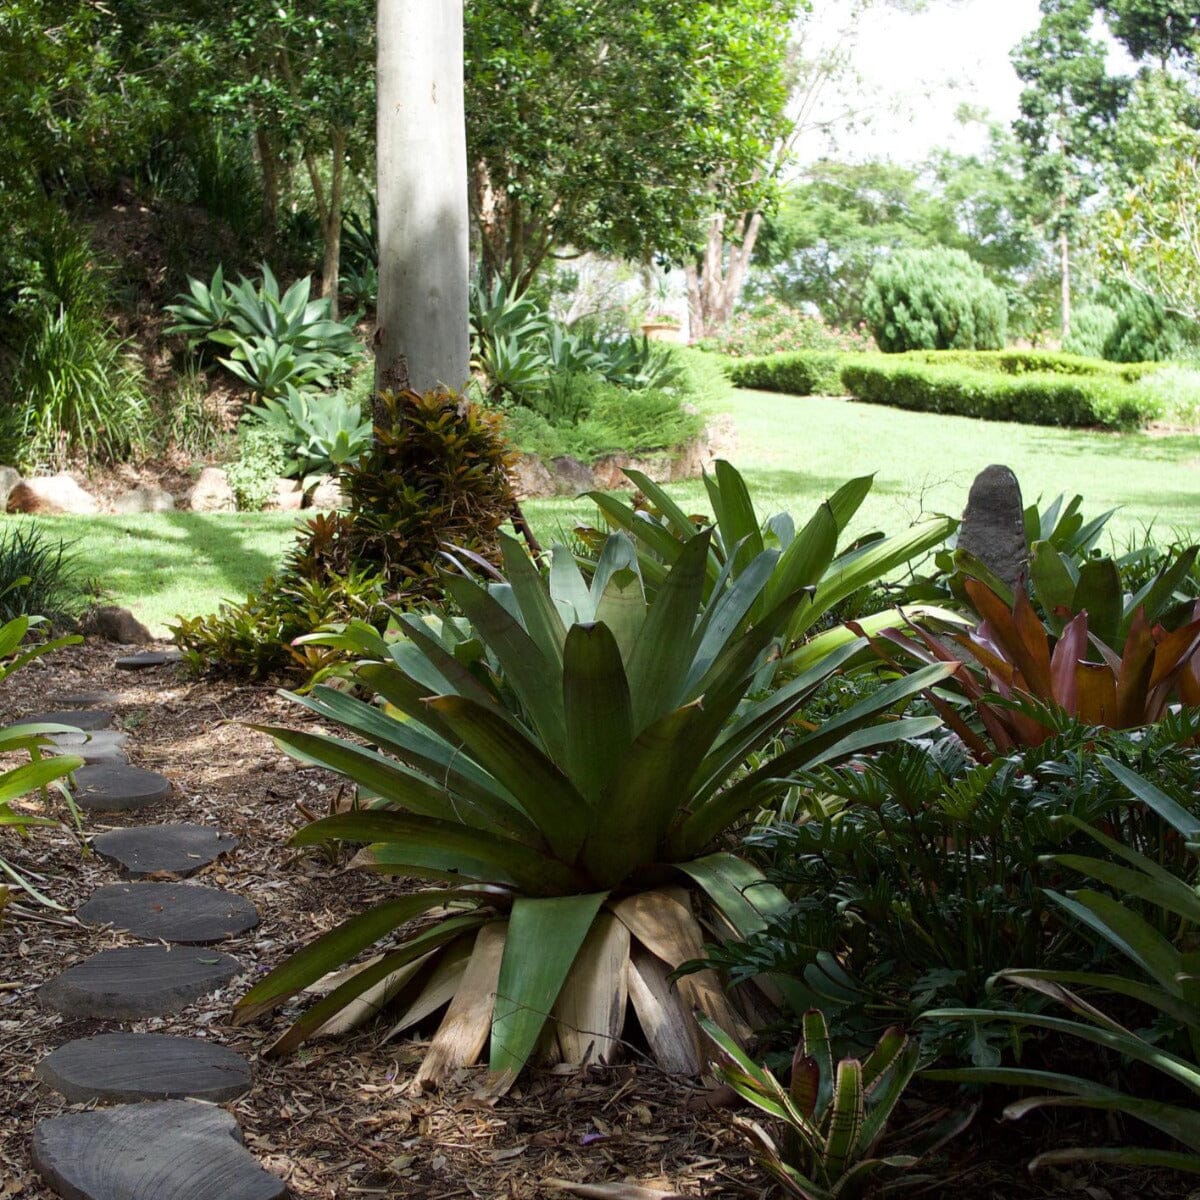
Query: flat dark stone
[(170, 912), (79, 718), (85, 699), (101, 746), (146, 850), (137, 981), (118, 787), (123, 1068), (147, 658), (170, 1150)]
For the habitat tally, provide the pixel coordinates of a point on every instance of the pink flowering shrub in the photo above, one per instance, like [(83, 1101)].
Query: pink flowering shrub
[(771, 327)]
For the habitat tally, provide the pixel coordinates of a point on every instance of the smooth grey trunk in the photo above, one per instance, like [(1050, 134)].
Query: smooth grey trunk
[(423, 337)]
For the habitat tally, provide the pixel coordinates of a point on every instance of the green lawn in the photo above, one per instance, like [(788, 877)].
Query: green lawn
[(793, 451)]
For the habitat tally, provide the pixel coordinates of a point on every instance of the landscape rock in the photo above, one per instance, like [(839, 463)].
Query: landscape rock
[(531, 478), (327, 496), (170, 912), (571, 476), (211, 492), (169, 1150), (162, 849), (52, 494), (145, 499), (287, 497), (9, 478), (993, 526), (115, 624), (123, 1068), (132, 982)]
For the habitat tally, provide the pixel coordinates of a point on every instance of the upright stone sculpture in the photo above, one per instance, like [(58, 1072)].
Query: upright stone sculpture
[(993, 526)]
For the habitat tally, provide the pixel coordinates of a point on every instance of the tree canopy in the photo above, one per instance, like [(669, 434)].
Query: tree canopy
[(614, 127)]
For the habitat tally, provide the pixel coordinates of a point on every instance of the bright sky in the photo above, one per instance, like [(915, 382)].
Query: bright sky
[(923, 66)]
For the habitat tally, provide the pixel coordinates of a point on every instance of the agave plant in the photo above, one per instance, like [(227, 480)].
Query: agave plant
[(833, 1116), (564, 760), (1165, 978), (276, 339), (808, 558)]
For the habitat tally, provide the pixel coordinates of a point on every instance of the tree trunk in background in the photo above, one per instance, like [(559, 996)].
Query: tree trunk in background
[(329, 215), (715, 282), (423, 336), (1064, 250), (268, 165)]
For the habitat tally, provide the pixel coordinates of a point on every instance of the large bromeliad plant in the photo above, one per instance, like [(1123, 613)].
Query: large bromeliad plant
[(563, 760)]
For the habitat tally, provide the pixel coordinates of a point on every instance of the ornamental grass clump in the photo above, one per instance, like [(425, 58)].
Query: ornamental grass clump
[(563, 760)]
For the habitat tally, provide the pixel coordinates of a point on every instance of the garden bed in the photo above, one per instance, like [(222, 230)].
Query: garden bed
[(337, 1121)]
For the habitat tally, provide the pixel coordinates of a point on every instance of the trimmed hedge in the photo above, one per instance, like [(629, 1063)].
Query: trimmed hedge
[(801, 373), (1030, 397), (1024, 362)]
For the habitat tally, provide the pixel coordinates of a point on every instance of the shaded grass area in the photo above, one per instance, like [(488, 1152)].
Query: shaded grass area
[(162, 564), (794, 452)]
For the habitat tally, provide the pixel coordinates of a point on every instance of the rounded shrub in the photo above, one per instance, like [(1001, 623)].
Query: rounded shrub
[(935, 299), (1091, 327), (1143, 331)]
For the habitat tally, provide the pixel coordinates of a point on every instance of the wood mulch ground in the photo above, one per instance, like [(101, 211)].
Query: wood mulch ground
[(338, 1119)]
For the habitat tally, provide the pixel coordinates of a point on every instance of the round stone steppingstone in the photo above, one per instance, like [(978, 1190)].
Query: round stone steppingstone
[(85, 699), (102, 746), (124, 1068), (170, 912), (169, 1150), (137, 981), (171, 849), (147, 658), (79, 718), (118, 787)]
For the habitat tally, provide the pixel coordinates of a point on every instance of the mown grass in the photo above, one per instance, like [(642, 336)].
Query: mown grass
[(793, 451)]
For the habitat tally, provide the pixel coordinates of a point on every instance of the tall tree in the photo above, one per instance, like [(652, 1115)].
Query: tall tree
[(821, 97), (604, 125), (1067, 108), (422, 340), (1154, 29), (296, 74)]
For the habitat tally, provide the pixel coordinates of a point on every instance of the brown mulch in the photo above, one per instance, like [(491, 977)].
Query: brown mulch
[(338, 1119)]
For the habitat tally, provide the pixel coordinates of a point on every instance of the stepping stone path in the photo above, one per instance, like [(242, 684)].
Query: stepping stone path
[(118, 787), (105, 745), (157, 1142), (133, 982), (147, 658), (180, 850), (86, 699), (81, 718), (172, 1150), (170, 912), (118, 1068)]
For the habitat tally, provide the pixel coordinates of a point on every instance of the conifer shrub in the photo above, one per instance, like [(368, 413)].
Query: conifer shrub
[(934, 299), (435, 476), (1091, 327)]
